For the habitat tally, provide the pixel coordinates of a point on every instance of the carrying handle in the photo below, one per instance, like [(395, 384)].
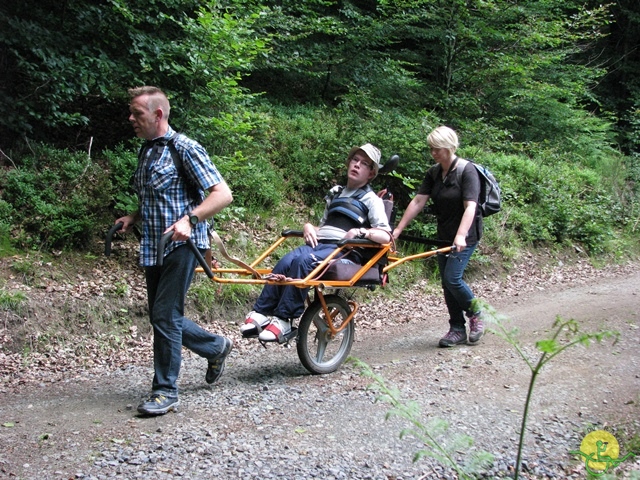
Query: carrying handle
[(107, 241), (162, 244)]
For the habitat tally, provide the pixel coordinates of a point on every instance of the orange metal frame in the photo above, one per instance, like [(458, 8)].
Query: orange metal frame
[(245, 276)]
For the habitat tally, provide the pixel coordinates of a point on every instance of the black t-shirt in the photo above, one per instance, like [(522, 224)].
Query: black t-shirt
[(447, 196)]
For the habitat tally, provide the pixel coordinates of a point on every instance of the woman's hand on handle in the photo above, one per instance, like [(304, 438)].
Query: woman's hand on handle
[(459, 243), (413, 209)]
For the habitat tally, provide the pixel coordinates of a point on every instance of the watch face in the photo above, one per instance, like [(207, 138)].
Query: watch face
[(193, 220)]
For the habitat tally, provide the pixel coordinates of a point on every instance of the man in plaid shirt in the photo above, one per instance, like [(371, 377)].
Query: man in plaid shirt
[(173, 199)]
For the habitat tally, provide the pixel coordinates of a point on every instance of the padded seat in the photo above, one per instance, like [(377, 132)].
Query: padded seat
[(346, 271)]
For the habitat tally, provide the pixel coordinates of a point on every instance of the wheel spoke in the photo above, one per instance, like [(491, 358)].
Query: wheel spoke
[(322, 345), (318, 349)]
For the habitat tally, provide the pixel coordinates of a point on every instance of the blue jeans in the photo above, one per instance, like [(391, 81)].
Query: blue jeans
[(166, 291), (286, 301), (457, 294)]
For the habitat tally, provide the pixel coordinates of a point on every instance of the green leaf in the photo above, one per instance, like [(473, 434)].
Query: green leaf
[(547, 346)]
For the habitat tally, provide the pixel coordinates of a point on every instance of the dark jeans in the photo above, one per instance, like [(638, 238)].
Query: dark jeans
[(286, 301), (166, 290), (457, 294)]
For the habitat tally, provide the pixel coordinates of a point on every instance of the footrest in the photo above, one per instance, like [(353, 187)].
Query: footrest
[(284, 340), (292, 334)]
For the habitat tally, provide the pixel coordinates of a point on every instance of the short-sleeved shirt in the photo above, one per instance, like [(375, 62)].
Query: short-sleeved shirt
[(164, 196), (377, 216), (448, 195)]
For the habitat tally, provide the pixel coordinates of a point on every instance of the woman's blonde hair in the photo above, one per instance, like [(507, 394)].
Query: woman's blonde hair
[(444, 137)]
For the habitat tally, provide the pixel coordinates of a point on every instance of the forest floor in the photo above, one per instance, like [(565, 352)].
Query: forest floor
[(69, 412)]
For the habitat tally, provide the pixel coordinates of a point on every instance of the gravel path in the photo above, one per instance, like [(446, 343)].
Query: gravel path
[(268, 418)]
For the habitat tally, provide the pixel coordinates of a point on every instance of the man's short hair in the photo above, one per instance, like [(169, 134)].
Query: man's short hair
[(157, 98)]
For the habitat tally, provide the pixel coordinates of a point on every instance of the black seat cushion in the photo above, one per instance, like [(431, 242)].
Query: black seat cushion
[(346, 271)]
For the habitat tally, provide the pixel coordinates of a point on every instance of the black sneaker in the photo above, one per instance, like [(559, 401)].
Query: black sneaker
[(476, 328), (453, 337), (216, 366), (158, 404)]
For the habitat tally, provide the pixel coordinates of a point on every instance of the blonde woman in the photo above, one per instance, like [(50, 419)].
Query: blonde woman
[(455, 204)]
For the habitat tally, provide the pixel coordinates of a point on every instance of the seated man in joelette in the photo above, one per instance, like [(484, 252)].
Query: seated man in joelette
[(352, 211)]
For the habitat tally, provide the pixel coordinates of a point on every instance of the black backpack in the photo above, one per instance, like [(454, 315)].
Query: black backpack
[(490, 201)]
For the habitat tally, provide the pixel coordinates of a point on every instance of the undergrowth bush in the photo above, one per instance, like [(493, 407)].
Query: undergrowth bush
[(57, 199), (293, 155), (121, 163)]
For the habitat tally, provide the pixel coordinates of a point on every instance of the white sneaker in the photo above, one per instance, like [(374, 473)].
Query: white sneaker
[(276, 330), (254, 322)]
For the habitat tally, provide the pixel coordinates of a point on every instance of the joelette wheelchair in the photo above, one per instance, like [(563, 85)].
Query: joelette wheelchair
[(325, 331)]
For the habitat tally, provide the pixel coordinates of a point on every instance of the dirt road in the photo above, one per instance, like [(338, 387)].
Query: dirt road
[(268, 418)]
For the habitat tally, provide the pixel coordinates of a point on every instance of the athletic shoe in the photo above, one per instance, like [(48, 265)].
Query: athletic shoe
[(476, 328), (216, 365), (453, 337), (158, 404), (254, 322), (276, 330)]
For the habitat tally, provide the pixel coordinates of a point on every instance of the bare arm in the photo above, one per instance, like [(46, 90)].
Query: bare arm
[(460, 240), (377, 235), (219, 197), (413, 209)]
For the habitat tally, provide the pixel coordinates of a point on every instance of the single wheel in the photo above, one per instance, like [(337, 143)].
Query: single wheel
[(319, 351)]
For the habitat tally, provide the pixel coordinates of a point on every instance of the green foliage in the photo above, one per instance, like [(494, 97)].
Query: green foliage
[(518, 82), (440, 444), (121, 163), (65, 65), (6, 248), (308, 158), (552, 200), (57, 197), (11, 300), (207, 293), (255, 183)]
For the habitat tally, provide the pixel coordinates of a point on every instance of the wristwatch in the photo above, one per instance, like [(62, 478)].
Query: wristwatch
[(362, 233), (193, 220)]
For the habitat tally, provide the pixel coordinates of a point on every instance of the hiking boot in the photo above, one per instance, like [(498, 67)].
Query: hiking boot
[(476, 328), (453, 337), (158, 404), (216, 365)]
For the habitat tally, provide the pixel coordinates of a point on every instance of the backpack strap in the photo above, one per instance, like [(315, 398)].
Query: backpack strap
[(462, 163), (193, 191), (157, 146)]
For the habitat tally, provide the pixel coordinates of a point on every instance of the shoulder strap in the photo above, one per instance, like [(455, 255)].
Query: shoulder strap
[(192, 189), (361, 192), (462, 163)]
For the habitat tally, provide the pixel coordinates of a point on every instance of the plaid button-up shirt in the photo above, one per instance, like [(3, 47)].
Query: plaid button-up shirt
[(163, 194)]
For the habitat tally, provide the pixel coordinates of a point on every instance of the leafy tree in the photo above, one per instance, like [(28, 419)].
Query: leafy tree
[(67, 64)]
